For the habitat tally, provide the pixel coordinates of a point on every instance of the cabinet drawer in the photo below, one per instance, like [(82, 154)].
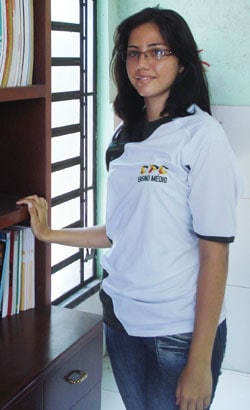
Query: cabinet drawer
[(92, 400), (60, 393)]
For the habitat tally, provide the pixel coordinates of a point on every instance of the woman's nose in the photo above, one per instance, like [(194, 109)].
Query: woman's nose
[(143, 60)]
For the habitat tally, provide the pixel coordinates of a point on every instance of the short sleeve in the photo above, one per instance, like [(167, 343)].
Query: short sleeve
[(214, 183)]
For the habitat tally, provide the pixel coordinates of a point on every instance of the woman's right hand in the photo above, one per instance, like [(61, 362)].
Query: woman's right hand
[(89, 237), (38, 208)]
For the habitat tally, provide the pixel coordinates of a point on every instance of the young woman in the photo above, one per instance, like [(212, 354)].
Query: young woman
[(172, 191)]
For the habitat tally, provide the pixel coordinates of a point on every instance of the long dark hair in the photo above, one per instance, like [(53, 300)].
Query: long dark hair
[(190, 86)]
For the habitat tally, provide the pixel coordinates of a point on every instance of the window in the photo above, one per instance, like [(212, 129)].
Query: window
[(73, 40)]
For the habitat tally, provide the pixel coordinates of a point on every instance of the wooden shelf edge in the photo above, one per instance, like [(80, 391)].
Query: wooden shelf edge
[(23, 93), (10, 213)]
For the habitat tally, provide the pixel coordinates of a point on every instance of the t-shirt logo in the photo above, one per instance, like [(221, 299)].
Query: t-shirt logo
[(153, 173)]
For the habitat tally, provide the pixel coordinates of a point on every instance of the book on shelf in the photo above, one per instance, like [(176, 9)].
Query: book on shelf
[(2, 251), (17, 268), (7, 16), (3, 42), (4, 291), (16, 42), (16, 234), (27, 294)]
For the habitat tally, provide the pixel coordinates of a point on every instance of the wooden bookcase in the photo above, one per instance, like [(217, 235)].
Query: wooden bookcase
[(25, 129), (39, 347)]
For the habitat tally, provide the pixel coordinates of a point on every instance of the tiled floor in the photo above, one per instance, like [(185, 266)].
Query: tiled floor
[(233, 391)]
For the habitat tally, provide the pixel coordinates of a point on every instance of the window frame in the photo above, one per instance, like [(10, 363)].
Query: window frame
[(89, 286)]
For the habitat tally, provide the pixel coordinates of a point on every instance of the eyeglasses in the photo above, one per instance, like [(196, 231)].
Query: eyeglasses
[(154, 54)]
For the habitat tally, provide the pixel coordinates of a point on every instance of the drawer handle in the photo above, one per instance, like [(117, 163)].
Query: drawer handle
[(76, 377)]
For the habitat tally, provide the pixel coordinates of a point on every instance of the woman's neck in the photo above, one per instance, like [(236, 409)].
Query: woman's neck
[(154, 109)]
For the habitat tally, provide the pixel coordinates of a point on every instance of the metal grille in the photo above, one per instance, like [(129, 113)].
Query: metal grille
[(84, 162)]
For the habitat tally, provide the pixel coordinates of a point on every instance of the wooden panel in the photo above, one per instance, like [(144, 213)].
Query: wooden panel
[(42, 43), (31, 401), (23, 147)]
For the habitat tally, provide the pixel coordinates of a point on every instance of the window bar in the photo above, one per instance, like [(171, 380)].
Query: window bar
[(65, 61), (67, 129), (83, 75)]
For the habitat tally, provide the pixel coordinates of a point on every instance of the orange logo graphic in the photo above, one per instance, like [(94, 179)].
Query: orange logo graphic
[(162, 170)]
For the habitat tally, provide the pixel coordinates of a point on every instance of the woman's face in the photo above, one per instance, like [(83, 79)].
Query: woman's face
[(152, 74)]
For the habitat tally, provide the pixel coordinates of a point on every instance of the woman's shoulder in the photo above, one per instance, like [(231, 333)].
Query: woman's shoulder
[(200, 124)]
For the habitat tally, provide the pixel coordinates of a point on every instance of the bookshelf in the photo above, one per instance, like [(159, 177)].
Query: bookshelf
[(41, 346), (25, 144)]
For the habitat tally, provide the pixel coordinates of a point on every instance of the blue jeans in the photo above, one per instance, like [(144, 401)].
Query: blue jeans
[(147, 369)]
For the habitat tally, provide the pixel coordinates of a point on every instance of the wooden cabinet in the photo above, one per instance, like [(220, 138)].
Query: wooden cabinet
[(40, 350)]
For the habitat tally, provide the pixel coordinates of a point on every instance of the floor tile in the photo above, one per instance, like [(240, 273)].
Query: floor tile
[(111, 401), (108, 381), (233, 391)]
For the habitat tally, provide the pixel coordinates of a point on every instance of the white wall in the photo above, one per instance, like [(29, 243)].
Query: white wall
[(236, 122)]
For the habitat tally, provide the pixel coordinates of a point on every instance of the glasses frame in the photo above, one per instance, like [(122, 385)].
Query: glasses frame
[(147, 54)]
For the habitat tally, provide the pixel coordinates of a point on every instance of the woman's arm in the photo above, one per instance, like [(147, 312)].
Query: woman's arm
[(195, 384), (94, 237)]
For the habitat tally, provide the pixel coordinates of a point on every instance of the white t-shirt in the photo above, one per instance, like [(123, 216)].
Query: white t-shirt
[(165, 192)]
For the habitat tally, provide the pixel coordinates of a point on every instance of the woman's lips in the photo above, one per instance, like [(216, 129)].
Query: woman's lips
[(143, 78)]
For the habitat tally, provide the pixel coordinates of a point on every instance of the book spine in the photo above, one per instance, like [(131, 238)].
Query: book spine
[(16, 42), (17, 270)]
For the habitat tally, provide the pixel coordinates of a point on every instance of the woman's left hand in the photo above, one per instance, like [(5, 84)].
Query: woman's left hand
[(194, 388)]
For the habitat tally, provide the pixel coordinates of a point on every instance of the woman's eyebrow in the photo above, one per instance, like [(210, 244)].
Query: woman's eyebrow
[(149, 45)]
